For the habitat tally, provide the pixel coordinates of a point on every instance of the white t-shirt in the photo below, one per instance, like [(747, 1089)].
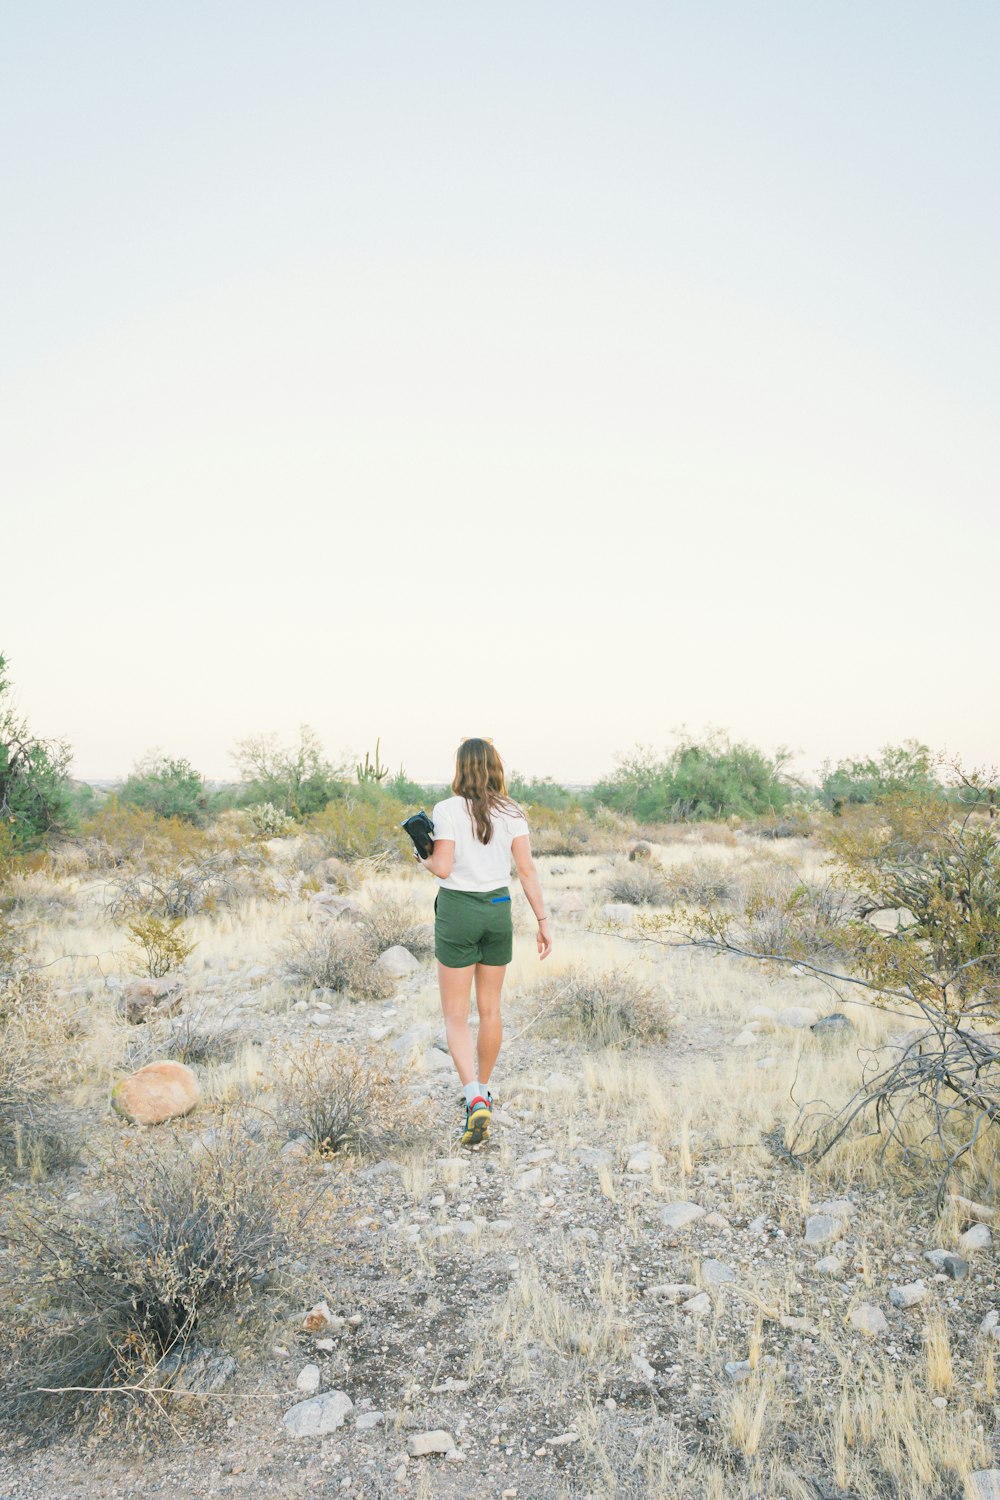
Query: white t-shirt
[(477, 867)]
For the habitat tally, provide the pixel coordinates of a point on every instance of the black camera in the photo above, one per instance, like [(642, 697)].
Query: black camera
[(421, 831)]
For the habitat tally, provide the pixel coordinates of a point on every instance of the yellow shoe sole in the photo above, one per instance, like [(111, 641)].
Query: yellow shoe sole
[(477, 1127)]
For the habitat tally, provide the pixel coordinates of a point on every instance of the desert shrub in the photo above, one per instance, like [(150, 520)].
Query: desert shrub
[(169, 868), (169, 788), (265, 820), (161, 943), (35, 799), (105, 1301), (639, 884), (781, 914), (345, 1103), (363, 824), (36, 1130), (556, 830), (711, 778), (336, 956), (299, 779), (898, 769), (389, 921), (939, 860), (701, 882), (604, 1009), (540, 791)]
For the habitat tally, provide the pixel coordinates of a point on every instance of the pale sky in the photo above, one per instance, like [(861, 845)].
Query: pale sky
[(562, 372)]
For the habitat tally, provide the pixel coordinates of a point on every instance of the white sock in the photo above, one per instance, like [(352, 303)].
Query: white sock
[(473, 1090)]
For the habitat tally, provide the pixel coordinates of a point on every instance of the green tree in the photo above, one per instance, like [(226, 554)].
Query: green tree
[(299, 779), (898, 768), (709, 778), (35, 795), (169, 788)]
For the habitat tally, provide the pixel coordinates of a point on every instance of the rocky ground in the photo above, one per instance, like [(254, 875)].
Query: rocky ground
[(630, 1290)]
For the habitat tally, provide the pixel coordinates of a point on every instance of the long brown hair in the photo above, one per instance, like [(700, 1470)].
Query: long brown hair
[(480, 778)]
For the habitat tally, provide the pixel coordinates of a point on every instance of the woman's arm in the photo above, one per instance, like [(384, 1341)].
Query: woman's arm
[(440, 859), (527, 874)]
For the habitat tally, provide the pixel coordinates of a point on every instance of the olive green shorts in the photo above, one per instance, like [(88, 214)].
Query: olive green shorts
[(473, 927)]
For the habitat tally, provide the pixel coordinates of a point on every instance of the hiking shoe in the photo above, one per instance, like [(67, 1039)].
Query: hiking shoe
[(477, 1121)]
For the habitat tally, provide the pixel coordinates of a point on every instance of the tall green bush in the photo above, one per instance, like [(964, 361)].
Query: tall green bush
[(710, 778), (35, 794), (169, 788)]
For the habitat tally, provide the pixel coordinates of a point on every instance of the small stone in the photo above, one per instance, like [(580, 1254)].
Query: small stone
[(308, 1379), (644, 1161), (529, 1179), (798, 1016), (717, 1221), (318, 1416), (419, 1444), (368, 1419), (797, 1325), (908, 1295), (991, 1324), (821, 1228), (979, 1237), (830, 1265), (829, 1025), (563, 1439), (715, 1272), (698, 1305), (643, 1366), (320, 1317), (679, 1214), (946, 1260), (869, 1319)]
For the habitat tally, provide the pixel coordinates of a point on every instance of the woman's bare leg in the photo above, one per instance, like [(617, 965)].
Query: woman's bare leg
[(456, 991), (489, 983)]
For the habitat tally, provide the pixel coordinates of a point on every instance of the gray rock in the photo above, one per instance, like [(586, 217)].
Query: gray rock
[(319, 1415), (947, 1261), (308, 1379), (715, 1272), (798, 1016), (643, 1161), (991, 1324), (195, 1371), (529, 1179), (421, 1443), (979, 1237), (679, 1214), (698, 1305), (869, 1319), (831, 1024), (830, 1265), (368, 1419), (821, 1228), (984, 1484), (908, 1295)]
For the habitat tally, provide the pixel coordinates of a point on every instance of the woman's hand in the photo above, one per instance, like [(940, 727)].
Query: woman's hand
[(544, 938)]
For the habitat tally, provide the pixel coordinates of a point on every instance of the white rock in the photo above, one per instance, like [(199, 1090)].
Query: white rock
[(837, 1208), (715, 1272), (368, 1419), (698, 1305), (308, 1379), (716, 1220), (907, 1295), (397, 961), (979, 1237), (830, 1265), (746, 1038), (869, 1319), (320, 1415), (984, 1484), (643, 1161), (991, 1323), (679, 1214), (421, 1443), (797, 1015), (821, 1228), (529, 1179)]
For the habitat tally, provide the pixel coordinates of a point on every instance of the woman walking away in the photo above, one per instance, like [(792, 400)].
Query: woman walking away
[(475, 833)]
